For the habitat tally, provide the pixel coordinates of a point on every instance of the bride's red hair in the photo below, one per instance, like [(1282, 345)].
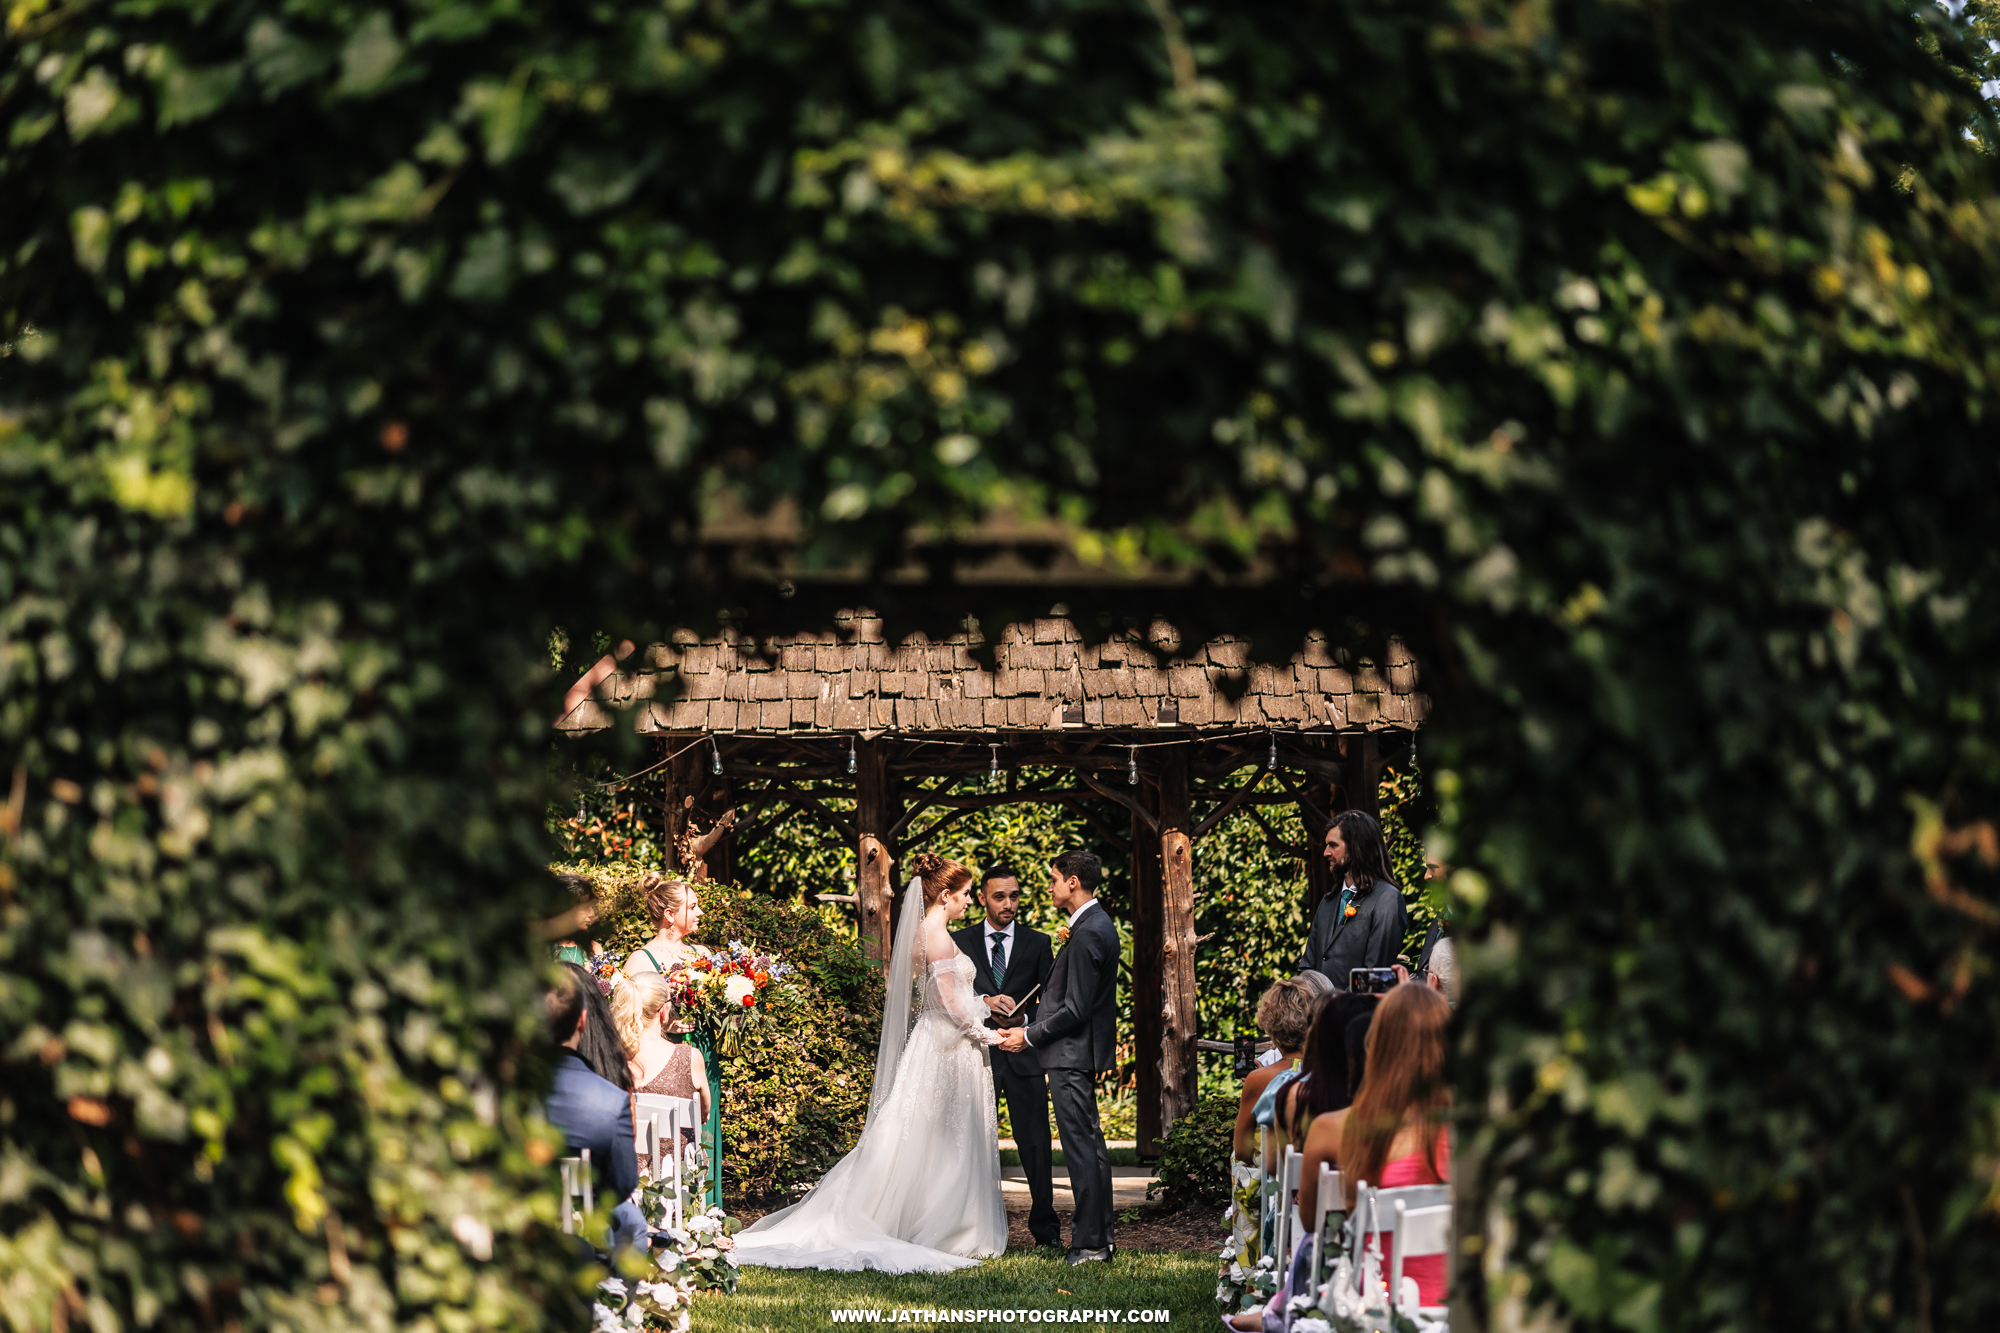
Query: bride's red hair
[(939, 874)]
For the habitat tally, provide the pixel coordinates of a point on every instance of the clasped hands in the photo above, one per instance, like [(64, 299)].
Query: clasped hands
[(1012, 1038)]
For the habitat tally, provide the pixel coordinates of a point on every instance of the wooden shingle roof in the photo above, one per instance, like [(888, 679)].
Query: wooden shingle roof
[(1045, 678)]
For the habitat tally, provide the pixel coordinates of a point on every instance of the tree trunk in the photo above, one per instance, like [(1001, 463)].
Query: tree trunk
[(1148, 1007), (1179, 1013), (876, 806)]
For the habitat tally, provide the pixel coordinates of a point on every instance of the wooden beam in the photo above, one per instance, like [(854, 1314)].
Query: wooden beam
[(923, 798), (803, 801), (1179, 1073), (918, 839), (1148, 1015), (1223, 811), (1103, 829), (1131, 803), (876, 808)]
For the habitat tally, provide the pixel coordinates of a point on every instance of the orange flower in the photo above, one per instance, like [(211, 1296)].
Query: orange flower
[(749, 1001), (761, 978), (1352, 909)]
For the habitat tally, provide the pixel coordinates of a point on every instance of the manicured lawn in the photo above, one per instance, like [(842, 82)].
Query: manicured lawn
[(774, 1300)]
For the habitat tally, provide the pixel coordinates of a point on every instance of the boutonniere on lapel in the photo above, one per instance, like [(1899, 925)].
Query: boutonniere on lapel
[(1062, 935), (1351, 910)]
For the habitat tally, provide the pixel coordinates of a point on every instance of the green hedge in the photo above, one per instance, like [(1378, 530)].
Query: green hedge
[(796, 1092), (1636, 363), (1193, 1171)]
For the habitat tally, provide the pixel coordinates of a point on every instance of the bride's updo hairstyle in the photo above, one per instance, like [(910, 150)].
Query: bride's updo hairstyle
[(664, 897), (940, 875)]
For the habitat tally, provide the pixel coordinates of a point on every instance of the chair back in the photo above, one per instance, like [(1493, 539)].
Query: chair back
[(1288, 1214), (671, 1115), (1419, 1231), (578, 1196), (1329, 1209), (1376, 1211)]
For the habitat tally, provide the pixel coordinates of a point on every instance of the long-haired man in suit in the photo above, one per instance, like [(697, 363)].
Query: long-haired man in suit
[(1014, 961), (1074, 1036)]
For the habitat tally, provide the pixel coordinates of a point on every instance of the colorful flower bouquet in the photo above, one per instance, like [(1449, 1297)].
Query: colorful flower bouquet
[(719, 990), (605, 968)]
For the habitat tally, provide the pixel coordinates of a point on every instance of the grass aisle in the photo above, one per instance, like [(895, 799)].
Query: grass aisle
[(772, 1300)]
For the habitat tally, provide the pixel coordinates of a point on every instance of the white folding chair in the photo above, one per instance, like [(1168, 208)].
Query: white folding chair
[(1329, 1204), (672, 1114), (1288, 1214), (578, 1195), (1266, 1189), (1379, 1211), (1419, 1232), (646, 1129)]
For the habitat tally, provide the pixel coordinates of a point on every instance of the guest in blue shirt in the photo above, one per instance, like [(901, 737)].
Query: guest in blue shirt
[(592, 1112)]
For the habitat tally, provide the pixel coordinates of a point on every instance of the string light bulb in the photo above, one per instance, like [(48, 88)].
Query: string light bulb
[(1413, 749), (715, 759), (994, 772), (1132, 767), (1272, 762), (850, 756)]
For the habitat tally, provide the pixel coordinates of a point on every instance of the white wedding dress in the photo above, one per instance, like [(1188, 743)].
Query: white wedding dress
[(920, 1193)]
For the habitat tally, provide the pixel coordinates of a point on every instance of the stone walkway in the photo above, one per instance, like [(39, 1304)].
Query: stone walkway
[(1128, 1183)]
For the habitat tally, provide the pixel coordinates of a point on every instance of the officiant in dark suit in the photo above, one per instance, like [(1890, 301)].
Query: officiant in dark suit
[(1014, 960)]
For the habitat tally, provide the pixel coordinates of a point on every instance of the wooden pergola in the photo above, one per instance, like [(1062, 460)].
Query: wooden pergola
[(758, 732)]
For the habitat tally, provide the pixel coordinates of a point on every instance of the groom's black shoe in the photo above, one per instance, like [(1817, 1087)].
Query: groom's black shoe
[(1102, 1256)]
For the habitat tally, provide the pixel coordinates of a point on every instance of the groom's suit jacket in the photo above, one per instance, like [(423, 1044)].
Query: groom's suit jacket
[(1078, 1025), (1028, 964)]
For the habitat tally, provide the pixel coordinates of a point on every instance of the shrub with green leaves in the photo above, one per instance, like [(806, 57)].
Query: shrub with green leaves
[(1193, 1170), (1634, 362)]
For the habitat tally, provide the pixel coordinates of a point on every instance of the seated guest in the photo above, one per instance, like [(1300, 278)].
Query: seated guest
[(1285, 1015), (668, 1068), (1327, 1075), (1394, 1133), (599, 1048), (591, 1112)]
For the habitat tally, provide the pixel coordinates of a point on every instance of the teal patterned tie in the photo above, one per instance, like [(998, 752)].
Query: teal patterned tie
[(999, 960)]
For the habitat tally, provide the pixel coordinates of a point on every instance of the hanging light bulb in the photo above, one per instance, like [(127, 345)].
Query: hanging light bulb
[(579, 808), (1272, 762), (1413, 749), (715, 763), (1132, 767), (850, 754), (994, 772)]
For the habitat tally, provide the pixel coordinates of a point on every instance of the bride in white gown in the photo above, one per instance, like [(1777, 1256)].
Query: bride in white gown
[(920, 1193)]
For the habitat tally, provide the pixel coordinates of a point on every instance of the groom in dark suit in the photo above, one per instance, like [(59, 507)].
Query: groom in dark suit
[(1014, 960), (1074, 1037)]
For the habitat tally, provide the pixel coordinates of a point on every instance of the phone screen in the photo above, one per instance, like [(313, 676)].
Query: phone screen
[(1371, 980)]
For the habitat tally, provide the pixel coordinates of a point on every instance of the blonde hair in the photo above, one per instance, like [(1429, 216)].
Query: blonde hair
[(1287, 1010), (636, 1002), (940, 875), (663, 897)]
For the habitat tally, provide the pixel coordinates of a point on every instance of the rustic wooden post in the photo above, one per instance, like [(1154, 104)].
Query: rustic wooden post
[(1180, 1016), (1318, 876), (683, 782), (1364, 774), (1148, 999), (876, 806)]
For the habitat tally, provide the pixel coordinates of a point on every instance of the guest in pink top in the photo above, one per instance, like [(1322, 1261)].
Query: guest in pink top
[(1394, 1133)]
